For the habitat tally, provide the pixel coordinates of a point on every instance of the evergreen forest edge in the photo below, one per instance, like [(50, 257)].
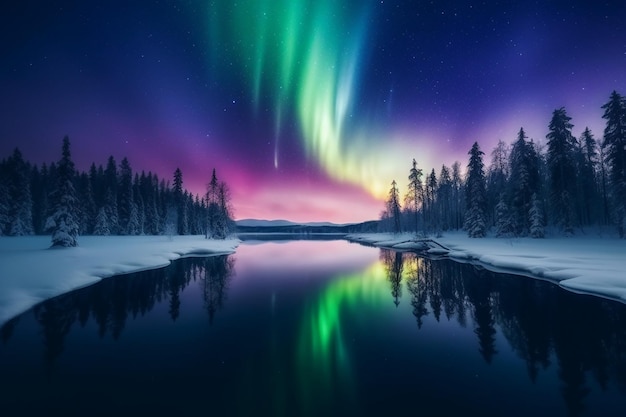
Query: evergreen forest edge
[(109, 200), (568, 184), (585, 185)]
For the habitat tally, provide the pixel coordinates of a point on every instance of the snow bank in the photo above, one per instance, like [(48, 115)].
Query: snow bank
[(30, 272), (583, 264)]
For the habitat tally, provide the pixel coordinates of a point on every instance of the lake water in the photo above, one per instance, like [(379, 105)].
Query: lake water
[(316, 328)]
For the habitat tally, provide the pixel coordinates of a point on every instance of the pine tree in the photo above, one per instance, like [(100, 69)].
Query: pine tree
[(444, 199), (139, 205), (536, 218), (39, 193), (218, 224), (110, 205), (212, 201), (110, 195), (615, 153), (524, 180), (87, 210), (497, 178), (588, 193), (125, 198), (133, 225), (149, 185), (225, 209), (96, 182), (458, 196), (20, 199), (475, 194), (562, 168), (64, 220), (183, 218), (415, 195), (101, 228), (504, 224), (180, 205), (4, 208), (430, 195), (393, 207)]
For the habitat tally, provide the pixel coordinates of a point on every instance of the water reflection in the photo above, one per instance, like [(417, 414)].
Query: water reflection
[(317, 328), (324, 353), (114, 301), (583, 336)]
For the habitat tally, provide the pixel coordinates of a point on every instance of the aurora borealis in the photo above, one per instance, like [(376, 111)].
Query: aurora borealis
[(308, 109)]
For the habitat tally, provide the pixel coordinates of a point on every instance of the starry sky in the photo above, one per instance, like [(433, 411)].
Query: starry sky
[(308, 109)]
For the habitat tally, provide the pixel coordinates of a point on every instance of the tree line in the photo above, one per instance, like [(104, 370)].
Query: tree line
[(567, 183), (106, 200)]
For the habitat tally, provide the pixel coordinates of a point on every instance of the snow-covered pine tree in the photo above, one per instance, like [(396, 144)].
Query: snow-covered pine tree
[(520, 190), (39, 191), (503, 222), (589, 178), (415, 194), (179, 202), (125, 198), (562, 169), (615, 151), (150, 189), (183, 219), (444, 199), (4, 208), (110, 187), (101, 228), (223, 228), (433, 212), (87, 210), (212, 203), (139, 203), (110, 205), (430, 210), (475, 220), (133, 221), (536, 218), (497, 179), (20, 199), (218, 209), (152, 216), (64, 219), (458, 196)]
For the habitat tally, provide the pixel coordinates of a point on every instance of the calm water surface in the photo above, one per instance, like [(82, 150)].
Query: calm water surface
[(316, 328)]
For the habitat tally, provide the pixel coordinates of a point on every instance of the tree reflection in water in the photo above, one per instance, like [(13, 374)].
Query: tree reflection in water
[(584, 336), (114, 300), (576, 342)]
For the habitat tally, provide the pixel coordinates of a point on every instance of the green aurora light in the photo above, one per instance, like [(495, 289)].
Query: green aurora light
[(304, 57)]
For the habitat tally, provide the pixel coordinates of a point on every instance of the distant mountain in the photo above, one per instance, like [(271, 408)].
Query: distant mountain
[(278, 223), (288, 227)]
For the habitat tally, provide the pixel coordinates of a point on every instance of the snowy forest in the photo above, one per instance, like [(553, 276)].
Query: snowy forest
[(568, 183), (109, 200)]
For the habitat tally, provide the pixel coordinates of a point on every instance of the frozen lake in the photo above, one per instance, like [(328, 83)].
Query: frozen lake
[(286, 328)]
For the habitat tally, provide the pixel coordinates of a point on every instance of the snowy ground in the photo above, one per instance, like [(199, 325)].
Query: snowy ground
[(585, 264), (30, 272)]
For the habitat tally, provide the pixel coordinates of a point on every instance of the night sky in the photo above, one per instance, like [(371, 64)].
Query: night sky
[(308, 109)]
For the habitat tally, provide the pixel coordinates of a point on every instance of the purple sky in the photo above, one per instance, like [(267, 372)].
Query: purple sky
[(308, 109)]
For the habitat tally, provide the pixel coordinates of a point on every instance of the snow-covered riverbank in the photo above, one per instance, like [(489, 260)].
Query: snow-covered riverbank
[(30, 272), (585, 264)]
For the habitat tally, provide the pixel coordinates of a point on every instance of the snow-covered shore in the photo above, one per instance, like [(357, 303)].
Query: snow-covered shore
[(584, 264), (30, 272)]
